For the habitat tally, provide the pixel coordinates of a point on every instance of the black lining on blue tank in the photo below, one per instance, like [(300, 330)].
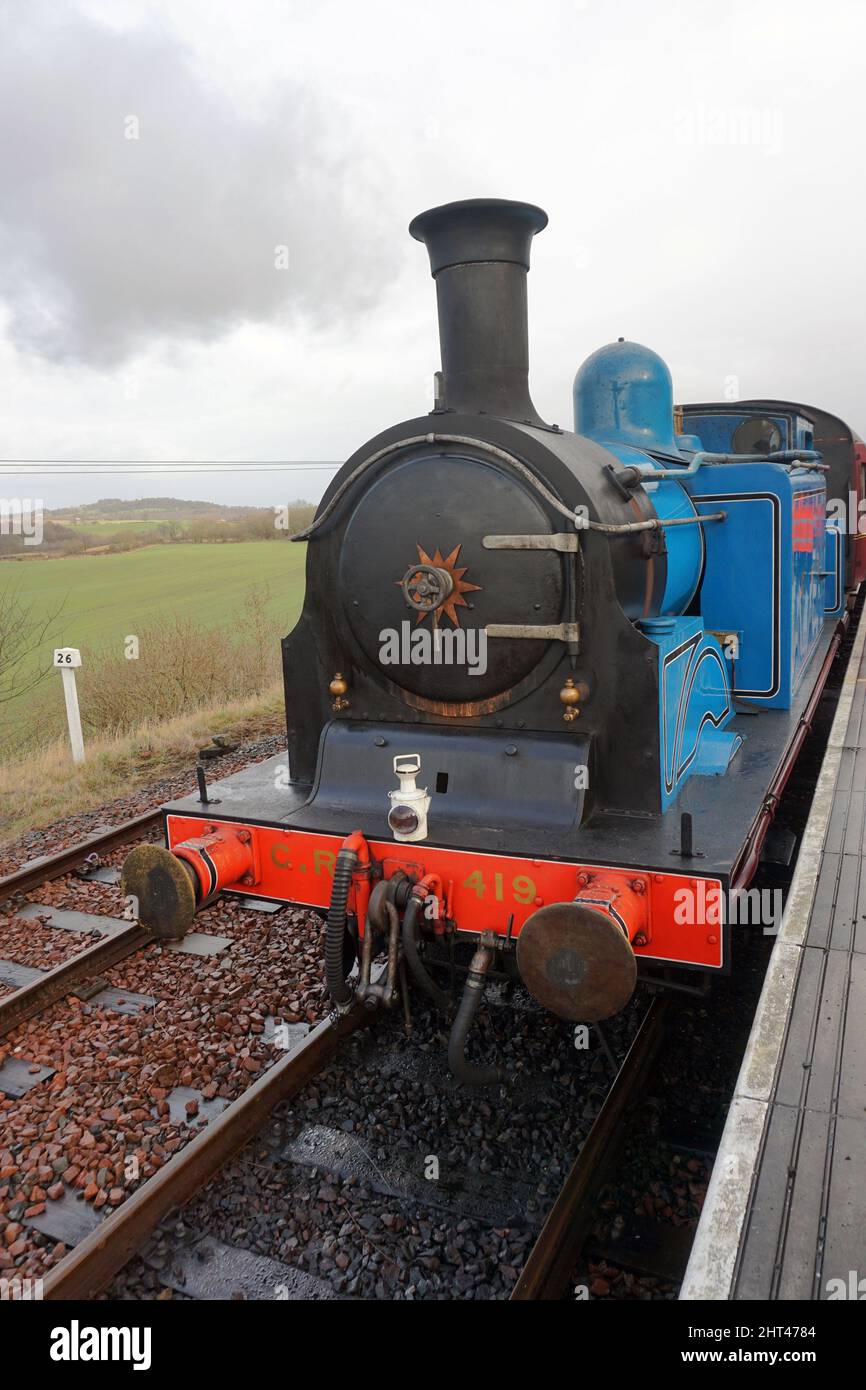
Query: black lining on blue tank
[(838, 566), (777, 513), (682, 706)]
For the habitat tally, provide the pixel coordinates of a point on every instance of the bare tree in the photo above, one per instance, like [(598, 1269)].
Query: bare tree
[(23, 631)]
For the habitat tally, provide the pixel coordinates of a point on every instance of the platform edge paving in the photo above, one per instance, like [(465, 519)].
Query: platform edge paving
[(712, 1269)]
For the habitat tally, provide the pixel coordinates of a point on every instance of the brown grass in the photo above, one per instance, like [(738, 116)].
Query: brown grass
[(47, 786), (180, 669)]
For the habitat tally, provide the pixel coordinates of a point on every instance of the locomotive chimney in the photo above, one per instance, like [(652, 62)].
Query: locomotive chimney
[(479, 257)]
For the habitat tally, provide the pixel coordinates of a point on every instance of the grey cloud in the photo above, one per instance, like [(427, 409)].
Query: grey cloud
[(107, 243)]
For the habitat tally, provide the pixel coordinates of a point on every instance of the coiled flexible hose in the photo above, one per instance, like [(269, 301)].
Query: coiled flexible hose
[(335, 979), (413, 957)]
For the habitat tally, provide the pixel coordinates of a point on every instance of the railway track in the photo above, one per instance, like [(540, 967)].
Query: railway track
[(30, 999), (547, 1273), (64, 861), (87, 1270), (29, 1025), (96, 1258), (374, 1192)]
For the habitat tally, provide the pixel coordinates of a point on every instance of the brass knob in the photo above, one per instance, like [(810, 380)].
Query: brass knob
[(571, 695), (339, 685)]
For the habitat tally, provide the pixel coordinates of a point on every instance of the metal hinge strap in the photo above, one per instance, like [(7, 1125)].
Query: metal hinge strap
[(566, 543), (550, 632)]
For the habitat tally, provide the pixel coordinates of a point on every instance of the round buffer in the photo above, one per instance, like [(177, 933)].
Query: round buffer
[(164, 887), (577, 962)]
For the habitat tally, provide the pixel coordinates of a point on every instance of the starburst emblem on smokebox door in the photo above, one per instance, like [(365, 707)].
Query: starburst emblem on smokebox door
[(436, 585)]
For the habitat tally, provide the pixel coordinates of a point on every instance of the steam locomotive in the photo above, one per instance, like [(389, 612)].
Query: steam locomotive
[(547, 684)]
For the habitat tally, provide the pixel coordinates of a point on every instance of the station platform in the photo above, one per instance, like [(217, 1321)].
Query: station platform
[(785, 1213)]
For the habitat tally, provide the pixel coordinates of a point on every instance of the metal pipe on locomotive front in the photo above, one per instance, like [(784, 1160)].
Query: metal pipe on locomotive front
[(656, 523), (646, 472), (484, 447)]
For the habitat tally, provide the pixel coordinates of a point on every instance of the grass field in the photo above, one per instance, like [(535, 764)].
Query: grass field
[(108, 597)]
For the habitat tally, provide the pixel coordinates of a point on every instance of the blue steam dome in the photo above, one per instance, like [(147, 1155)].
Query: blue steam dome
[(623, 394)]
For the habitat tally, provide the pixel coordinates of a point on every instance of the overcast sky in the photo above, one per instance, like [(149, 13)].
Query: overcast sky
[(702, 164)]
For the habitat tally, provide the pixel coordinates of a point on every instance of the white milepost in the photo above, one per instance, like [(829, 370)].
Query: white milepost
[(66, 659)]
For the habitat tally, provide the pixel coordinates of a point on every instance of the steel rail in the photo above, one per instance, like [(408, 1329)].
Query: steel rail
[(94, 1261), (552, 1259), (55, 865), (55, 984)]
